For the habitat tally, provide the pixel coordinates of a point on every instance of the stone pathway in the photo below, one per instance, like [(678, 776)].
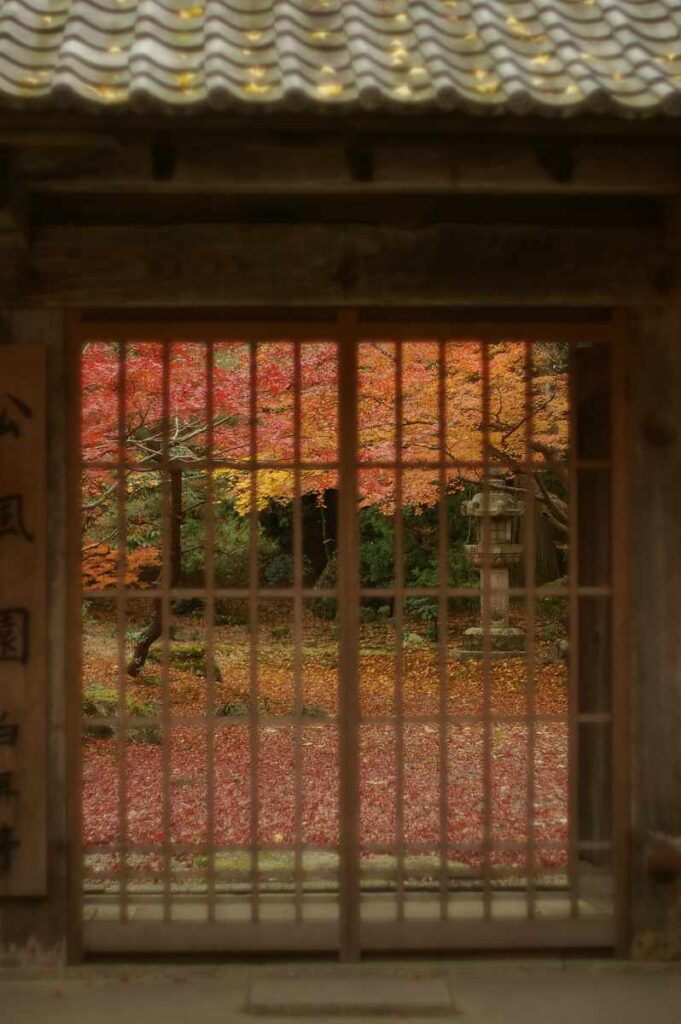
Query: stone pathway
[(482, 992)]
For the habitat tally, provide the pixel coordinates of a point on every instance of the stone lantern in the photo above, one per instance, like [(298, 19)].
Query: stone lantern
[(503, 512)]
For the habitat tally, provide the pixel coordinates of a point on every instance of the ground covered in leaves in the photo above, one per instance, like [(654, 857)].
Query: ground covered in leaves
[(413, 794)]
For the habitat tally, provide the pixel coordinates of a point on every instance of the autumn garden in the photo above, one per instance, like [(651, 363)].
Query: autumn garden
[(157, 523)]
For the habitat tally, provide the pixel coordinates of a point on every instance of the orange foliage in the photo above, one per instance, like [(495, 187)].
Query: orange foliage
[(100, 567), (422, 439)]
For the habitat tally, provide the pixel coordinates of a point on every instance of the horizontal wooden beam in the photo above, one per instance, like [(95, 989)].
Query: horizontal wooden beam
[(320, 265), (386, 207), (26, 126), (156, 937), (367, 166)]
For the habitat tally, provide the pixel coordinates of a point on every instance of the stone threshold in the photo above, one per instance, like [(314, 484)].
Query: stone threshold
[(359, 996)]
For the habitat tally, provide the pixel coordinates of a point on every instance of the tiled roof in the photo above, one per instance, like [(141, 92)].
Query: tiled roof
[(546, 56)]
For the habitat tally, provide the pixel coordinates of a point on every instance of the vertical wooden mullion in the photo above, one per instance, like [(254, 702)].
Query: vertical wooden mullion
[(298, 629), (573, 635), (121, 623), (442, 626), (399, 635), (75, 719), (621, 736), (254, 712), (209, 611), (166, 586), (348, 594), (530, 625), (486, 618)]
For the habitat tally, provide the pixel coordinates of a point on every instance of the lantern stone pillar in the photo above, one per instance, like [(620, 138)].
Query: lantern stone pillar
[(503, 513)]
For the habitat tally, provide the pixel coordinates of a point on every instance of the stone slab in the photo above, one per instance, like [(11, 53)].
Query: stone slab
[(360, 996), (487, 991)]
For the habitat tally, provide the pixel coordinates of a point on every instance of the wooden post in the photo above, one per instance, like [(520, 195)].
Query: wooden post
[(23, 654), (35, 929), (655, 472)]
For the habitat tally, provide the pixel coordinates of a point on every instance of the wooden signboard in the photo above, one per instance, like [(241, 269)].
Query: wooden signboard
[(23, 585)]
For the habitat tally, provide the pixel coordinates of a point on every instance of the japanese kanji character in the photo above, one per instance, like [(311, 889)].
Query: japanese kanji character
[(9, 422), (14, 634), (12, 517), (8, 844), (6, 791), (9, 731)]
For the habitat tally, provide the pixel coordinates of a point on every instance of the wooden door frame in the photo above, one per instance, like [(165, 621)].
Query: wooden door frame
[(345, 325)]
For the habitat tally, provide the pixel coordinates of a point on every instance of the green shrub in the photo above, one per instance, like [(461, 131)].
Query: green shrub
[(229, 612), (277, 571), (151, 679), (233, 551), (553, 630), (241, 708), (190, 656), (86, 616), (460, 573), (188, 606), (313, 711), (414, 641), (377, 548), (102, 702), (238, 708), (232, 547)]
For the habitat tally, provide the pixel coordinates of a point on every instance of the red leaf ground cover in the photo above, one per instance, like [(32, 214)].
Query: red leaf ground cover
[(461, 815), (378, 788)]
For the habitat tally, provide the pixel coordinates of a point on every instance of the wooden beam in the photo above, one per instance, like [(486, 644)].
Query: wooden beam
[(320, 265), (388, 207), (25, 127), (322, 165)]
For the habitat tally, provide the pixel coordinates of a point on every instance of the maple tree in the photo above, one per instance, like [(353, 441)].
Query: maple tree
[(126, 403), (143, 412)]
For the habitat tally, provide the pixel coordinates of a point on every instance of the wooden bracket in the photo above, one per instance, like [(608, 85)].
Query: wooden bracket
[(669, 271), (557, 159), (361, 163), (163, 160), (14, 206), (664, 861)]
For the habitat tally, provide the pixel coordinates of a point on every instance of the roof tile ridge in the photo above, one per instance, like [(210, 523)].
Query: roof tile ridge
[(372, 89)]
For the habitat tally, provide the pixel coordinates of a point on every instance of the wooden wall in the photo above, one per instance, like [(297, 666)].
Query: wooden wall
[(34, 930), (655, 475)]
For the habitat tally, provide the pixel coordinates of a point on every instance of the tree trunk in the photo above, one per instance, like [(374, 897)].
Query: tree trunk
[(155, 628)]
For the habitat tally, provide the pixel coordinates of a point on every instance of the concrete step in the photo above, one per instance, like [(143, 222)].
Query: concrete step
[(361, 996)]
